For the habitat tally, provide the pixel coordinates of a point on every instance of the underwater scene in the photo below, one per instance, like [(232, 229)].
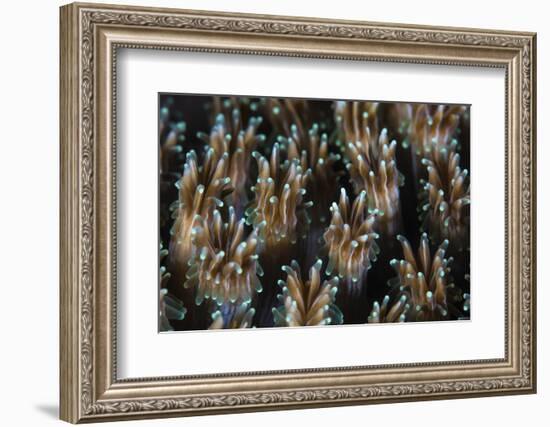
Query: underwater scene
[(278, 212)]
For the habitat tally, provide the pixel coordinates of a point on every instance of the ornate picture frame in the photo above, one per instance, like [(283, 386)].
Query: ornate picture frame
[(90, 37)]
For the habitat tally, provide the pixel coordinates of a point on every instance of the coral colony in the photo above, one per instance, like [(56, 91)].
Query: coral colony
[(290, 212)]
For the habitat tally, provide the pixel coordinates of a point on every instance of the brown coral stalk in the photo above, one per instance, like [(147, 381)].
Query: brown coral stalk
[(446, 198), (232, 316), (350, 239), (307, 303), (289, 116), (224, 265), (370, 158), (170, 307), (200, 188), (313, 154), (389, 312), (278, 210), (172, 135), (425, 280), (230, 137), (431, 131)]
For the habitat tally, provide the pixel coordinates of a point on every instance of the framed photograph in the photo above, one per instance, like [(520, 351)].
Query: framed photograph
[(266, 212)]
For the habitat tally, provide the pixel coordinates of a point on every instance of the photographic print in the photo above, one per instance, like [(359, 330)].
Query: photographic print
[(286, 212)]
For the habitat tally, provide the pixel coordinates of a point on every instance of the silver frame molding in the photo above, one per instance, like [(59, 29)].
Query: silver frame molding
[(90, 37)]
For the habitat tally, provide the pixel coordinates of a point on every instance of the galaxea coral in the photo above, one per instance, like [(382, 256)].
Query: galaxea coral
[(370, 159), (307, 303), (233, 316), (425, 280), (432, 128), (446, 197), (278, 210), (313, 153), (200, 188), (229, 137), (351, 240), (389, 312), (223, 266), (300, 212), (170, 307)]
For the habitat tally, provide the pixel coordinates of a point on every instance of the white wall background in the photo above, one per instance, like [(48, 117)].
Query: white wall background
[(29, 170)]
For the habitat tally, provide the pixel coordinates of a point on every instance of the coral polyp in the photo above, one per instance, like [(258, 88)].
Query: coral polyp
[(231, 316), (199, 189), (278, 210), (172, 135), (350, 239), (313, 153), (307, 303), (356, 120), (288, 116), (231, 138), (370, 159), (170, 307), (285, 212), (446, 198), (224, 266), (388, 311), (425, 279), (171, 147), (432, 130)]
